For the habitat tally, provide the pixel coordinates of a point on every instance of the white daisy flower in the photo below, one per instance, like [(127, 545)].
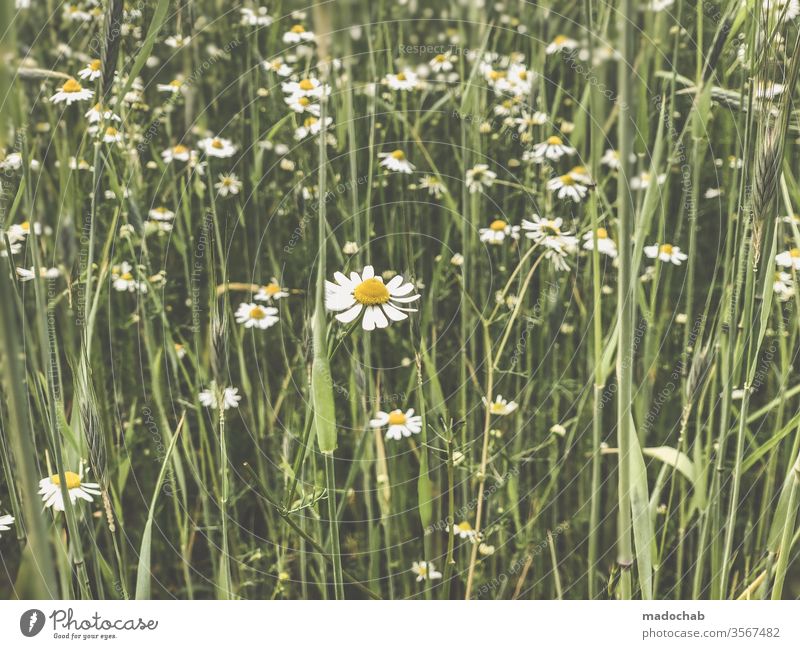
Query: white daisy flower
[(366, 292), (463, 530), (547, 232), (298, 34), (783, 285), (643, 180), (443, 62), (255, 17), (278, 66), (581, 174), (553, 148), (786, 259), (561, 43), (311, 126), (123, 280), (665, 252), (71, 92), (401, 424), (396, 161), (500, 406), (27, 274), (480, 177), (5, 522), (50, 490), (254, 315), (112, 135), (784, 10), (605, 244), (405, 80), (308, 87), (566, 187), (302, 104), (172, 87), (212, 397), (161, 214), (98, 113), (425, 571), (11, 162), (611, 159), (178, 152), (271, 292), (92, 70), (529, 120), (497, 231), (216, 147), (228, 185), (177, 41)]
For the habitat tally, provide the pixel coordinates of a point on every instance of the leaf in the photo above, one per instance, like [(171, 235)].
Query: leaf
[(143, 570), (643, 534)]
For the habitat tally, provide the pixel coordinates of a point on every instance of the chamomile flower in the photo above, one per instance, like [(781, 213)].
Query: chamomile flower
[(497, 232), (278, 66), (561, 43), (548, 233), (380, 302), (302, 104), (553, 148), (784, 10), (581, 174), (228, 185), (50, 490), (27, 274), (122, 279), (214, 398), (644, 180), (216, 147), (786, 259), (401, 424), (500, 406), (298, 34), (665, 252), (177, 41), (396, 161), (405, 80), (480, 177), (252, 315), (425, 571), (527, 120), (605, 245), (272, 292), (255, 17), (92, 70), (11, 162), (5, 523), (611, 159), (463, 530), (71, 92), (567, 188), (783, 285), (98, 112), (161, 214), (434, 186), (442, 62), (112, 135), (179, 152), (308, 87), (173, 87), (311, 126)]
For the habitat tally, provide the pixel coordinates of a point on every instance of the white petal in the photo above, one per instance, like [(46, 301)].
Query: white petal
[(349, 315), (394, 313), (368, 272)]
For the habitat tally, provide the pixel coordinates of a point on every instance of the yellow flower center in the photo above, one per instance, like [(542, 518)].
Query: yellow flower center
[(257, 313), (73, 479), (304, 101), (794, 253), (666, 249), (551, 225), (217, 143), (560, 39), (401, 76), (175, 83), (272, 288), (497, 74), (602, 233), (371, 291), (497, 408), (498, 225), (554, 140), (298, 29), (306, 84), (94, 65), (26, 225), (310, 121), (111, 131), (580, 171), (464, 526), (126, 277), (440, 58), (178, 149), (397, 154), (71, 86), (567, 180), (396, 418)]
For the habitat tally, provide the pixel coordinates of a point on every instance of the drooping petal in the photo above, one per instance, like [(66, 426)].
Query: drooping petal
[(349, 315)]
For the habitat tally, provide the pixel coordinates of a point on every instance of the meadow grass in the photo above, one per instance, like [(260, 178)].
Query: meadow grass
[(399, 300)]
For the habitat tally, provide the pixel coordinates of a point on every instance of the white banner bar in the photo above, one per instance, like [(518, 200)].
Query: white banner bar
[(400, 624)]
